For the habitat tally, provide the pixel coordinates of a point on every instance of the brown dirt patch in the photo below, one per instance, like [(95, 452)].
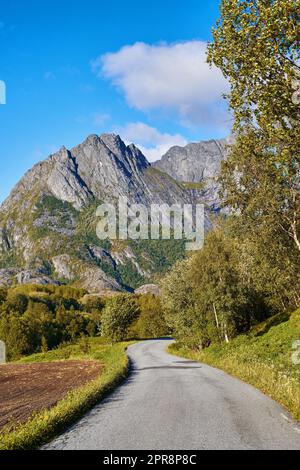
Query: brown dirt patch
[(28, 388)]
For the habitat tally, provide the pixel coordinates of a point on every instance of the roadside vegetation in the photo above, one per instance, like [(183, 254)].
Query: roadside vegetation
[(231, 304), (39, 318), (264, 357)]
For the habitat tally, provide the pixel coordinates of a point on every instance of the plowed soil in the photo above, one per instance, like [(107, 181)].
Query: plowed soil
[(28, 388)]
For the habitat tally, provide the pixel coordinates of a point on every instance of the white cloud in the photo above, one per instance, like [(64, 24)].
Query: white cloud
[(170, 77), (150, 141)]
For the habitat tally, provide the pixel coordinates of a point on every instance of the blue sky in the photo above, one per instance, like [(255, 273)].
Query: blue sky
[(74, 68)]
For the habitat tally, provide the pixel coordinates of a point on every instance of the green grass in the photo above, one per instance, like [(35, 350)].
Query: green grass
[(262, 358), (43, 426)]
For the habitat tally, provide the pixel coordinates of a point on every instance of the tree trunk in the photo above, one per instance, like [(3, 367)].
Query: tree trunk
[(296, 239), (216, 316), (225, 334)]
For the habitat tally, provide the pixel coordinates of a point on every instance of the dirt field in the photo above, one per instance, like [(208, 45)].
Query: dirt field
[(28, 388)]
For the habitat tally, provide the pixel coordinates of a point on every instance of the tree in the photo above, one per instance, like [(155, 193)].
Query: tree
[(14, 332), (151, 322), (3, 294), (222, 292), (44, 345), (257, 47), (119, 313), (212, 296), (177, 299), (84, 344), (264, 192), (39, 318), (17, 302)]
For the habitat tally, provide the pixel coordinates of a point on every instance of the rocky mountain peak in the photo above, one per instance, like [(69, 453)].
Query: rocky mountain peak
[(114, 143), (195, 161), (197, 166)]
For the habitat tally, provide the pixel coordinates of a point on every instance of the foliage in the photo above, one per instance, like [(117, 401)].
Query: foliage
[(151, 322), (256, 45), (9, 259), (199, 186), (36, 318), (128, 275), (233, 283), (178, 301), (119, 313), (53, 206), (161, 254)]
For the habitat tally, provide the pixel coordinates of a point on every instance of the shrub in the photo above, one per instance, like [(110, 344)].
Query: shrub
[(119, 313)]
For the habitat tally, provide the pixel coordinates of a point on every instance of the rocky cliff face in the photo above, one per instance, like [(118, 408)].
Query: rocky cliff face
[(48, 223), (197, 166), (195, 162)]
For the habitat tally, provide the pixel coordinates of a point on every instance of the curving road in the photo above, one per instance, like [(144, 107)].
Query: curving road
[(171, 403)]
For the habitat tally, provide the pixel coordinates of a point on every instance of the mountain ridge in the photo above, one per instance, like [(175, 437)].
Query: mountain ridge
[(47, 223), (197, 166)]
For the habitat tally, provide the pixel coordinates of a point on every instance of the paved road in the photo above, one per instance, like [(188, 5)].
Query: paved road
[(172, 403)]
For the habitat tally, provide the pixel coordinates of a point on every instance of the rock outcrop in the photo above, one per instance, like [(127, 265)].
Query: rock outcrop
[(12, 276), (152, 289), (65, 182), (91, 278), (197, 166), (38, 276), (195, 162)]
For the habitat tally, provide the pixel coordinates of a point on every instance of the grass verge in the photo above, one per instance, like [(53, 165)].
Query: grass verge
[(263, 358), (40, 428)]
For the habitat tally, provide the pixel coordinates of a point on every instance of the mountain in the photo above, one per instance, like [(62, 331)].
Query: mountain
[(48, 222), (197, 166), (195, 162), (102, 167)]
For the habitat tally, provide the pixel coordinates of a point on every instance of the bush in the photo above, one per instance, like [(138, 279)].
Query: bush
[(119, 313), (151, 322)]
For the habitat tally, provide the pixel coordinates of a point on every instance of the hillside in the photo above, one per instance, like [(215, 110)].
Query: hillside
[(48, 223)]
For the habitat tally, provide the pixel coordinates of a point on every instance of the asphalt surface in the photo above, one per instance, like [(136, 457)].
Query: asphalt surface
[(169, 403)]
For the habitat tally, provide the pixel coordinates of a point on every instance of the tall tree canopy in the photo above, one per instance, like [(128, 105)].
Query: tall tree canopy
[(257, 47)]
